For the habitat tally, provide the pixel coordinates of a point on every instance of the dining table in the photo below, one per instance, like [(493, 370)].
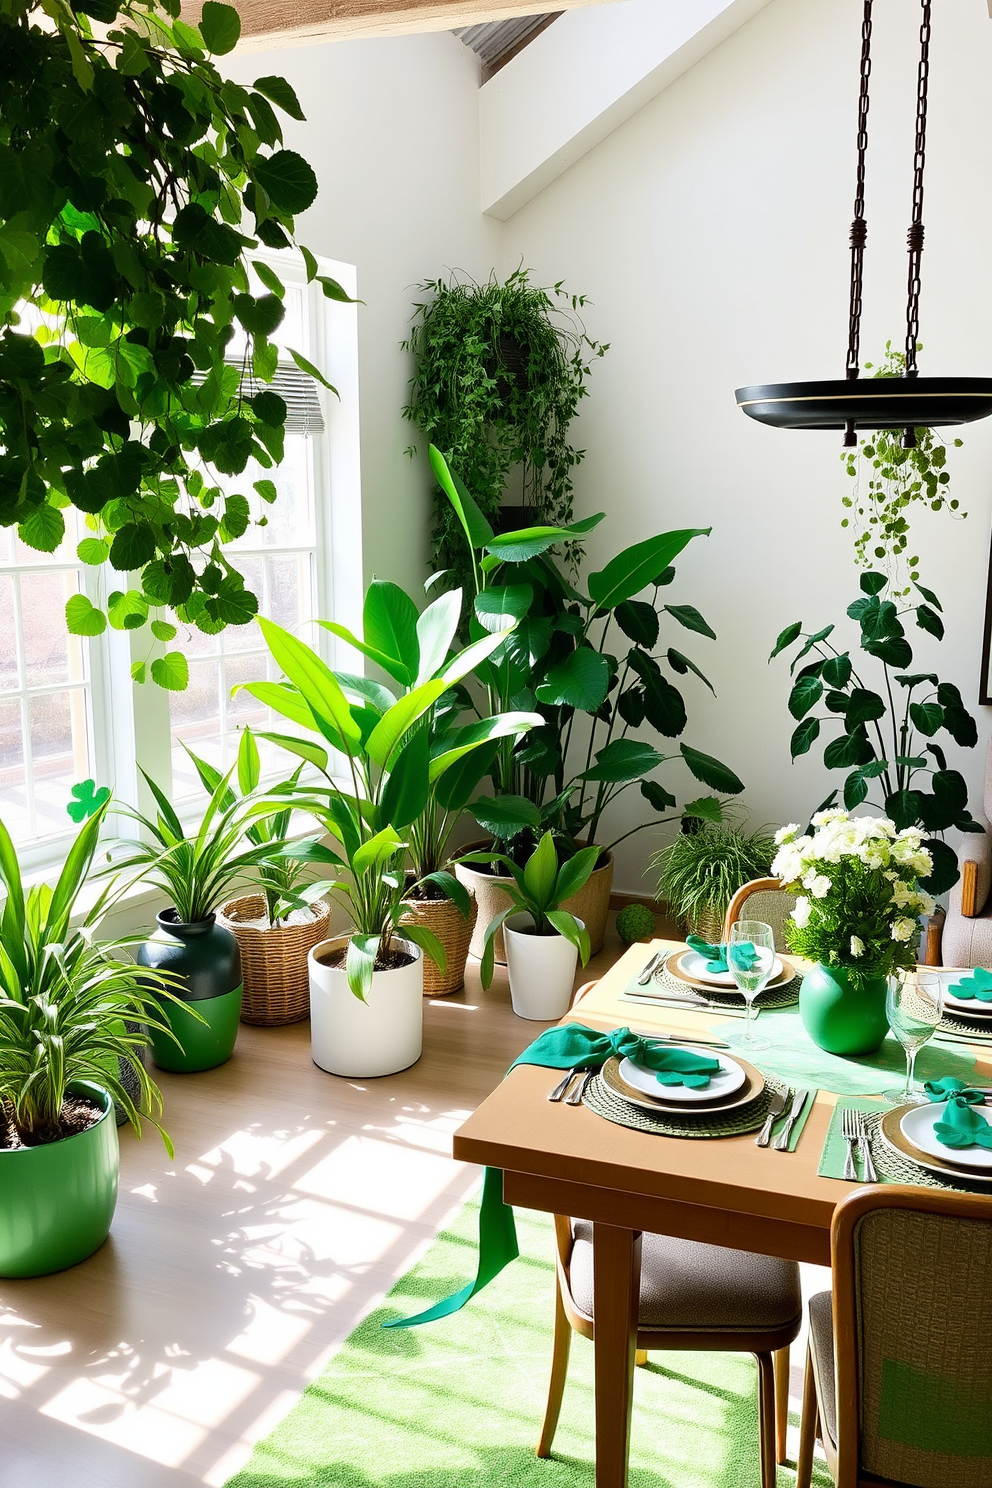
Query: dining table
[(568, 1160)]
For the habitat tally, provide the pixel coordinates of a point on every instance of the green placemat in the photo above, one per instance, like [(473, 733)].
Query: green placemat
[(606, 1103), (892, 1167), (663, 984), (793, 1056)]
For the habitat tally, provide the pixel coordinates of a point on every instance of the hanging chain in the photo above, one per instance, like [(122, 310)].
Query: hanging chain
[(914, 237), (859, 227)]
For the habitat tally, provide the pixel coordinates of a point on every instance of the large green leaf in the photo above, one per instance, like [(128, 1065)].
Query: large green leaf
[(389, 623), (622, 760), (472, 657), (806, 693), (436, 629), (689, 617), (636, 567), (541, 871), (531, 542), (476, 735), (281, 94), (497, 609), (580, 681), (804, 736), (574, 874), (474, 524), (504, 816), (711, 772), (377, 851), (639, 621), (407, 787), (220, 27), (288, 180), (402, 716), (316, 682)]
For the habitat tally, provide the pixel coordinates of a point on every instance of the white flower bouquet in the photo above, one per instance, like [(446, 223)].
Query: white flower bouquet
[(859, 896)]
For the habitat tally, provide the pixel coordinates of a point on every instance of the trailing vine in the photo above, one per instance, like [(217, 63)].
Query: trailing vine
[(500, 370), (888, 480)]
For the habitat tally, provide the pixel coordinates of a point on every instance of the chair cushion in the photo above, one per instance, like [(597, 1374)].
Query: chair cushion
[(690, 1287), (821, 1341)]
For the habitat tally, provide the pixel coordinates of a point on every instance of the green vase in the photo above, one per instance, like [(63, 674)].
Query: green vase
[(843, 1012), (57, 1200), (206, 957)]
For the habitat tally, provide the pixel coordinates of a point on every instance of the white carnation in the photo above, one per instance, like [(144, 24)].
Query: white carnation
[(824, 818), (903, 929), (857, 946), (786, 834), (819, 887), (801, 912)]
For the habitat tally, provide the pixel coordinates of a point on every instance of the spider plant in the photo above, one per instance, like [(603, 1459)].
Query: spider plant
[(66, 999), (700, 872), (195, 871)]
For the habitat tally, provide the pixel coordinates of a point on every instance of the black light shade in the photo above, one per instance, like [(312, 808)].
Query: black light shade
[(868, 402)]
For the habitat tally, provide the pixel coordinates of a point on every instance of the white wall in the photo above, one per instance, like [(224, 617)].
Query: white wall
[(392, 133), (710, 232)]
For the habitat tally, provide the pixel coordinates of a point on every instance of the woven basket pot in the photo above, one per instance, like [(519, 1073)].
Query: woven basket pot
[(274, 959), (591, 904), (446, 920), (707, 923)]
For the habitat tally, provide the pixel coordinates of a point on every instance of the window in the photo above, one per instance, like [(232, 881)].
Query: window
[(68, 707)]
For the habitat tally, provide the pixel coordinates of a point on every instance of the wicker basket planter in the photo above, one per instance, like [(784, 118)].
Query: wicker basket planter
[(591, 904), (446, 920), (274, 958)]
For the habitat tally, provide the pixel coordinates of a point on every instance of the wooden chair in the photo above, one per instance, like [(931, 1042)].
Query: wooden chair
[(693, 1296), (899, 1370), (762, 899)]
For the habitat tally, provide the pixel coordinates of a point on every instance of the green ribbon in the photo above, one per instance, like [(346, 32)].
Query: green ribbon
[(949, 1087), (962, 1126), (742, 953), (978, 985), (570, 1046)]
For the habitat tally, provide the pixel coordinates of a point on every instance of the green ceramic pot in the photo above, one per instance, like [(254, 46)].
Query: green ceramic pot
[(842, 1012), (206, 957), (57, 1201)]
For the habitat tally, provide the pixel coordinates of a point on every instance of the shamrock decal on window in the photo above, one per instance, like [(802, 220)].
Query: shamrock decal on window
[(88, 800)]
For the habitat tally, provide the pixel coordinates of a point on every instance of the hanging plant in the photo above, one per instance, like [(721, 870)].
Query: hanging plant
[(134, 179), (888, 480), (500, 369)]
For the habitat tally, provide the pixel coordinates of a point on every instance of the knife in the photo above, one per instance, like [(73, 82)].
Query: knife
[(781, 1143), (648, 970), (578, 1090), (774, 1112)]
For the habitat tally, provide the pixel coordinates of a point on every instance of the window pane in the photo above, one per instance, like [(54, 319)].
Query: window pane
[(13, 782), (8, 634), (59, 754), (51, 655), (196, 722), (291, 589)]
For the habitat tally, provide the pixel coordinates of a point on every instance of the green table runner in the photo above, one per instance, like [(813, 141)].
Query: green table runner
[(794, 1057)]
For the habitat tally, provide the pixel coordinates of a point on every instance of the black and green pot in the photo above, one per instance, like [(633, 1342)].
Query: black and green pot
[(206, 957), (57, 1200)]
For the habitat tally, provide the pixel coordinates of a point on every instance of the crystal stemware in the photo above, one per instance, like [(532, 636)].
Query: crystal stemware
[(750, 973), (912, 1006)]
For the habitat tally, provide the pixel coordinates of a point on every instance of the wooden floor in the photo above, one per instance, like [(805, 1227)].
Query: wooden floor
[(233, 1272)]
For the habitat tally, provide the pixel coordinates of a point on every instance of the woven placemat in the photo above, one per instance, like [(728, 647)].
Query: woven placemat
[(964, 1024), (599, 1098), (772, 997), (898, 1169)]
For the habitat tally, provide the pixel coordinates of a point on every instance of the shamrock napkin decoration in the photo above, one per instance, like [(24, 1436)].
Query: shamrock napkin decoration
[(743, 953), (978, 985), (962, 1126), (88, 800)]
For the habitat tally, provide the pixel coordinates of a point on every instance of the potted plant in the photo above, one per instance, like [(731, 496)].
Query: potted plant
[(559, 659), (277, 923), (366, 987), (68, 1006), (499, 371), (543, 940), (195, 871), (887, 737), (702, 869), (857, 918)]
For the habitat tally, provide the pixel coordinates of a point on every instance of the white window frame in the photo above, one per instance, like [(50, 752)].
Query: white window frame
[(130, 721)]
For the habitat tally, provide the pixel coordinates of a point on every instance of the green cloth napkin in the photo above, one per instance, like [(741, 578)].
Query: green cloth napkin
[(946, 1089), (978, 985), (574, 1046), (743, 953), (799, 1127), (962, 1126), (567, 1047)]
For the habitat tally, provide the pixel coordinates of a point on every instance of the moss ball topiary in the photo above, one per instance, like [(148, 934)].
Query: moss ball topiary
[(635, 922)]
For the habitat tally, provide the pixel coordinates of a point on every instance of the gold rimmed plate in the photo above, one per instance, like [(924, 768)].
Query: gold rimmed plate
[(785, 976), (892, 1134), (754, 1084)]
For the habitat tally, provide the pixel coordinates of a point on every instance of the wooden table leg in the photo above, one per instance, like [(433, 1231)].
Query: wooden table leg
[(616, 1294)]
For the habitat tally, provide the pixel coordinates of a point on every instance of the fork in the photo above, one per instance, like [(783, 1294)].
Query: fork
[(865, 1149), (849, 1131)]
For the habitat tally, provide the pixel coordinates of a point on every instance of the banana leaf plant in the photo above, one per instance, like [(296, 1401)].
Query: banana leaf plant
[(593, 665), (66, 1000), (881, 732), (383, 756)]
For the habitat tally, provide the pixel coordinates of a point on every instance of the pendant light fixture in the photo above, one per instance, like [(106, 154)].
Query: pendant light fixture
[(909, 401)]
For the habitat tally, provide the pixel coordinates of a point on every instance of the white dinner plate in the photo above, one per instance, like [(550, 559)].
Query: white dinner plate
[(730, 1078), (959, 1005), (692, 965), (917, 1127)]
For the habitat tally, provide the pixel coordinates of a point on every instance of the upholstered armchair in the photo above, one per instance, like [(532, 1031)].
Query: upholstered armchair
[(966, 936)]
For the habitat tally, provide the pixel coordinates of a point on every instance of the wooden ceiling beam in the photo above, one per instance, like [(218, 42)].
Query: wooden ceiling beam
[(273, 23)]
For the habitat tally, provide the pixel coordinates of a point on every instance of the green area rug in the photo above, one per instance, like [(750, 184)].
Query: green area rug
[(458, 1403)]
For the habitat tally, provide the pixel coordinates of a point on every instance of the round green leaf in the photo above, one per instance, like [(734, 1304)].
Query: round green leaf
[(279, 92), (287, 180), (171, 671), (220, 27), (83, 618), (44, 529)]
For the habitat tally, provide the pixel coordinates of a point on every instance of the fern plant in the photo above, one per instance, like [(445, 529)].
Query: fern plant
[(700, 872)]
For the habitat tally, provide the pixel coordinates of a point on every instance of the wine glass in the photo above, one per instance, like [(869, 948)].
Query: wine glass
[(750, 974), (912, 1006)]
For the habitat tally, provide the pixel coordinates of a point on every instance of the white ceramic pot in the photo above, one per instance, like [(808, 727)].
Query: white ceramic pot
[(380, 1036), (541, 970)]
